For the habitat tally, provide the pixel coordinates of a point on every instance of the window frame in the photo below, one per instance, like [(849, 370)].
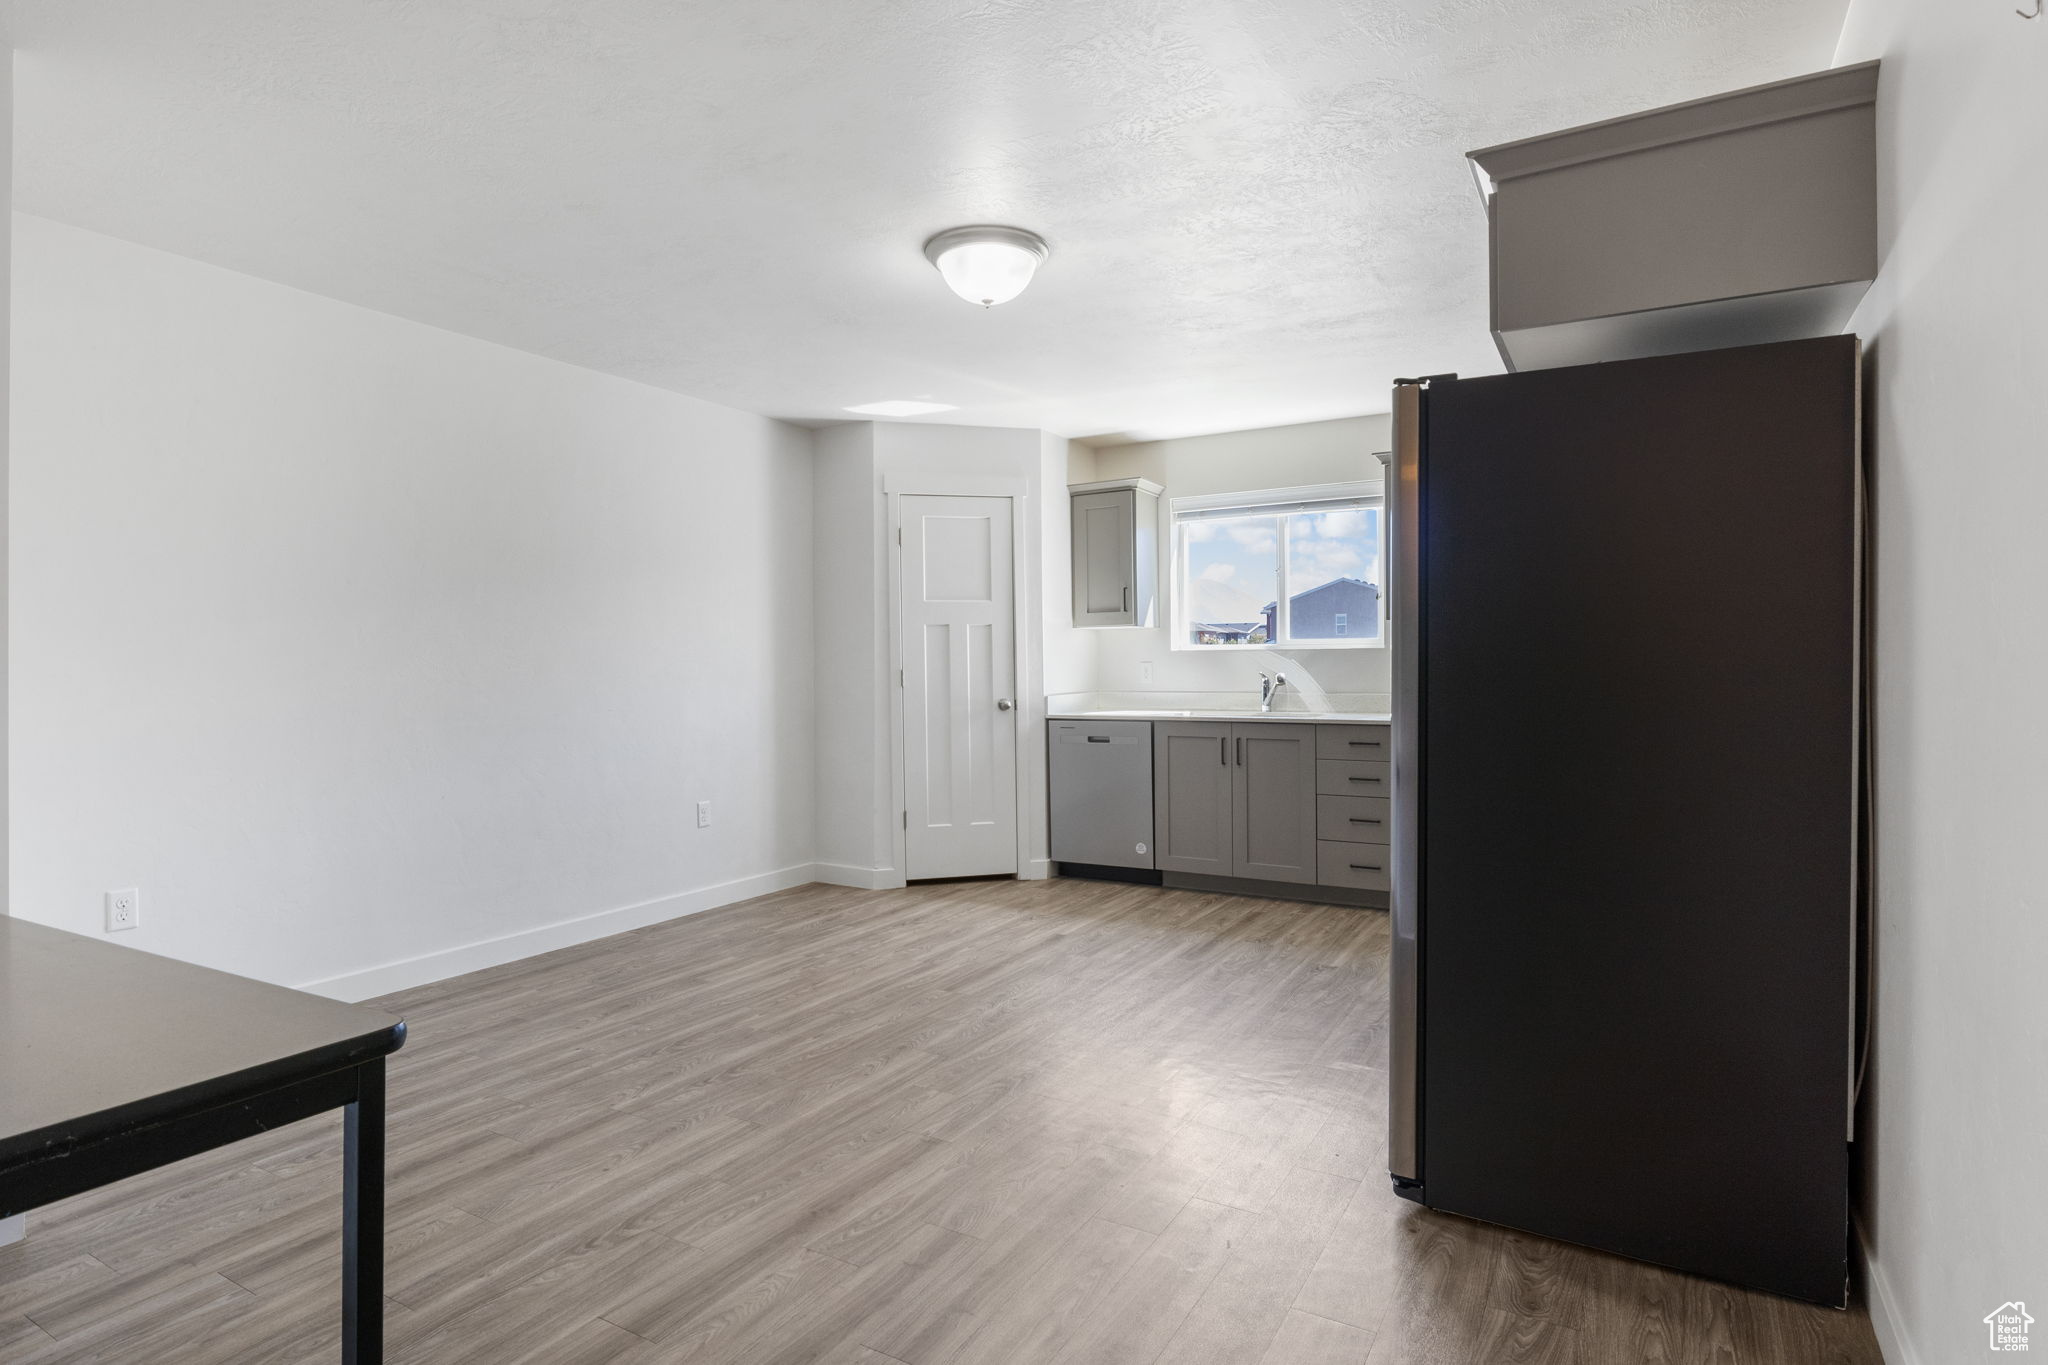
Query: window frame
[(1282, 502)]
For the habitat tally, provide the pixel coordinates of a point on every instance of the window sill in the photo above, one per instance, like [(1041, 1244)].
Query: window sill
[(1295, 647)]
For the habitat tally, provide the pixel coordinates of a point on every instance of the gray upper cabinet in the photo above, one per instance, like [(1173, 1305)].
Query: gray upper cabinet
[(1193, 795), (1729, 221), (1274, 785), (1116, 553)]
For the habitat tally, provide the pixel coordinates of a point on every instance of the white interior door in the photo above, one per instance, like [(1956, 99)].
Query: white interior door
[(959, 687)]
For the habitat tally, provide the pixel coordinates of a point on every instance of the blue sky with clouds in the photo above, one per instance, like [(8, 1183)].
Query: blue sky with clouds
[(1233, 563)]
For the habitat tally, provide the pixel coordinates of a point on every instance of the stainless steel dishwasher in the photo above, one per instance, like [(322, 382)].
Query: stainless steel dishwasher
[(1099, 779)]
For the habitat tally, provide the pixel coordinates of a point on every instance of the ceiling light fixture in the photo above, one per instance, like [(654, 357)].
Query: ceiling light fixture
[(986, 264), (901, 407)]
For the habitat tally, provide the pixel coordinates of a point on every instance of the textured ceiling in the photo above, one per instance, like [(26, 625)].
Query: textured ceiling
[(1259, 211)]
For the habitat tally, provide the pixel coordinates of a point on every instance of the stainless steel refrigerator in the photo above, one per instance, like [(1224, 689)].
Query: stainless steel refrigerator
[(1626, 647)]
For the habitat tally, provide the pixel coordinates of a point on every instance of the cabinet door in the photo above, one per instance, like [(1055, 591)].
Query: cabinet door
[(1273, 769), (1191, 793), (1105, 558)]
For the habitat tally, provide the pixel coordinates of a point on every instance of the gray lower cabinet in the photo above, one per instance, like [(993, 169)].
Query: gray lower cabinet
[(1354, 778), (1235, 800), (1264, 801), (1275, 789), (1365, 743), (1193, 791), (1354, 819), (1345, 777), (1363, 867)]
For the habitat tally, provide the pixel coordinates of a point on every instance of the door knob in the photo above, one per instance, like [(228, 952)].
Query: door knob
[(1003, 703)]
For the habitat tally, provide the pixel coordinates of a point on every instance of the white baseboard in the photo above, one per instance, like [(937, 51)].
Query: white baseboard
[(863, 878), (494, 952), (1885, 1321), (888, 879)]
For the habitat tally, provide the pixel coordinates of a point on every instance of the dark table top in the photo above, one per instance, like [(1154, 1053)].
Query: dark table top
[(96, 1038)]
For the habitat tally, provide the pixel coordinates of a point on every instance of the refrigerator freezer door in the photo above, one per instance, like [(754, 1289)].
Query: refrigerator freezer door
[(1638, 699)]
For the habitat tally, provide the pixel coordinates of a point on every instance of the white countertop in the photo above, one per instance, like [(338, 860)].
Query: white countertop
[(1295, 717)]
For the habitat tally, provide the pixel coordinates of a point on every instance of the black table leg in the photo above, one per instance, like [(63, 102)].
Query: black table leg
[(362, 1220)]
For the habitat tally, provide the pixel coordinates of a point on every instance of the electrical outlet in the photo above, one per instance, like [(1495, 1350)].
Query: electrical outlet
[(1145, 672), (703, 815), (124, 909)]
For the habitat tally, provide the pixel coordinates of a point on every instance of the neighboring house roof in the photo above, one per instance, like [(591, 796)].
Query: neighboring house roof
[(1306, 593), (1333, 583)]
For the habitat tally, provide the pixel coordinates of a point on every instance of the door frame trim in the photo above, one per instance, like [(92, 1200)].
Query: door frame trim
[(895, 487)]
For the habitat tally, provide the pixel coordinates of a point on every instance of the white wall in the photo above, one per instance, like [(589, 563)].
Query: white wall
[(1239, 461), (6, 387), (854, 844), (350, 641), (11, 1229), (1956, 1201), (857, 767), (1070, 654)]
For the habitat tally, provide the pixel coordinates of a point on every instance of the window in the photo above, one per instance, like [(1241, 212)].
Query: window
[(1291, 568)]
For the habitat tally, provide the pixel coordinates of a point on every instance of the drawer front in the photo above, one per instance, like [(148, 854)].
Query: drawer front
[(1345, 777), (1353, 819), (1374, 742), (1368, 867)]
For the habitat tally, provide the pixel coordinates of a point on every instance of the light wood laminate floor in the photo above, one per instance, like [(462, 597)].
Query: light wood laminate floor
[(994, 1122)]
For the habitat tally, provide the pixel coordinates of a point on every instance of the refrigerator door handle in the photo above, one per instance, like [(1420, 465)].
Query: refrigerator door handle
[(1404, 1053)]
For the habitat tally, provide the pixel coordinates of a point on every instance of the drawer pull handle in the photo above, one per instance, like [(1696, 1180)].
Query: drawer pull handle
[(1365, 779), (1365, 820), (1363, 743), (1365, 867)]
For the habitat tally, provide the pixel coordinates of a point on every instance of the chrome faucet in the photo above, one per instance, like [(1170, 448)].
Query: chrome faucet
[(1269, 688)]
